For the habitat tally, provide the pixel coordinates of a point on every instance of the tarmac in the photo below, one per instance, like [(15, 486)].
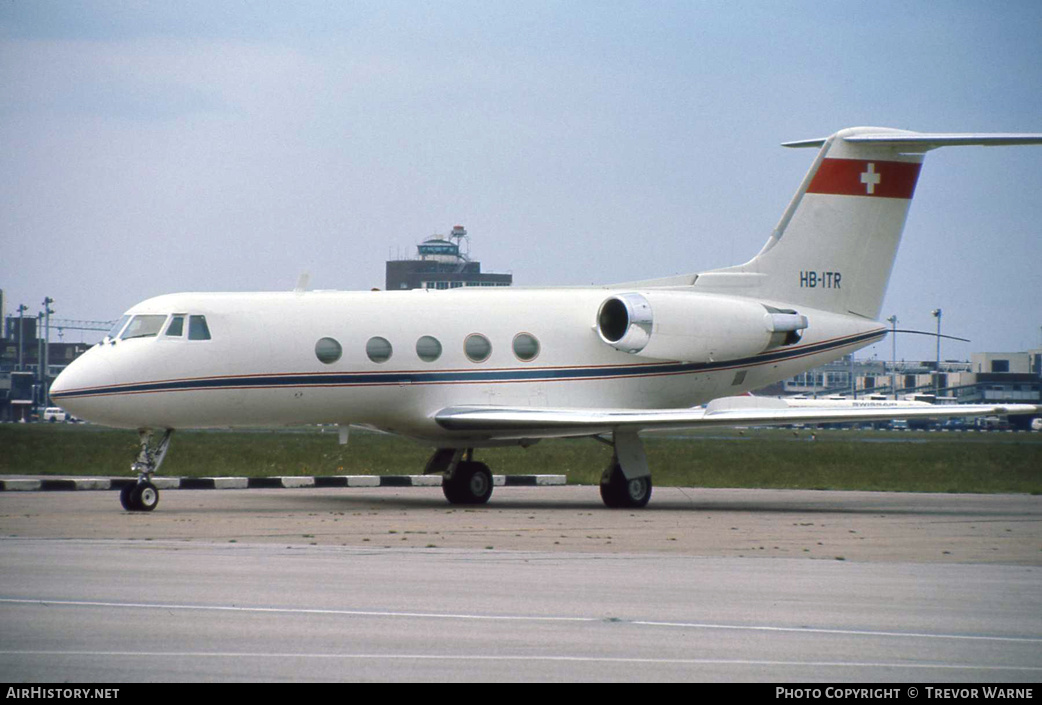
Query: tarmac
[(855, 526), (541, 584)]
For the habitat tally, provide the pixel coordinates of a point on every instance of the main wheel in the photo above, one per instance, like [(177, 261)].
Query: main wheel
[(620, 493), (470, 484)]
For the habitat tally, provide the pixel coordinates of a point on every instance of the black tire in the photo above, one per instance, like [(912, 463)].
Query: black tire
[(619, 493), (450, 490), (470, 484), (125, 498), (144, 497)]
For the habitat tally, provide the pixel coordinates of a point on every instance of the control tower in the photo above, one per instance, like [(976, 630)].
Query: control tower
[(442, 262)]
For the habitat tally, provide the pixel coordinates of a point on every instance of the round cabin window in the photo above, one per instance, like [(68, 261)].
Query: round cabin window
[(378, 349), (477, 347), (428, 348), (526, 347), (328, 351)]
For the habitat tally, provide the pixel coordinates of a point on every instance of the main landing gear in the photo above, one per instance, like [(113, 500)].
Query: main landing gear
[(465, 480), (625, 484), (620, 493), (143, 495)]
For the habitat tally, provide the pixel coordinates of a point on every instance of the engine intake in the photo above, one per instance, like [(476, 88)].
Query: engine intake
[(625, 322), (676, 325)]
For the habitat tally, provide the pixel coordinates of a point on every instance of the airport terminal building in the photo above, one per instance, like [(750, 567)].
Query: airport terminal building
[(21, 354), (987, 378)]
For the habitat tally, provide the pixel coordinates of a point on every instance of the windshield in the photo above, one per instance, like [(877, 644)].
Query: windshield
[(143, 327), (118, 327)]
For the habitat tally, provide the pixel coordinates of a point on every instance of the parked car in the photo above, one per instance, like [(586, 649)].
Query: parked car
[(54, 414)]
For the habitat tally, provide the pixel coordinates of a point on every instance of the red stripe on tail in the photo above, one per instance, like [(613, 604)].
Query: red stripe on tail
[(873, 179)]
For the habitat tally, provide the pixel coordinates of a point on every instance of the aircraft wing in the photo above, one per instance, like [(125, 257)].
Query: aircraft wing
[(531, 422)]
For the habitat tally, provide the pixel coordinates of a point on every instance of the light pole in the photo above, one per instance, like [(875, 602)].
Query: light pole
[(937, 372), (22, 308), (893, 354), (38, 386), (853, 378), (46, 361)]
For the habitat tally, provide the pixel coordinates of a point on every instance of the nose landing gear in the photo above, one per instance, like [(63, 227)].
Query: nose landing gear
[(143, 496), (140, 497)]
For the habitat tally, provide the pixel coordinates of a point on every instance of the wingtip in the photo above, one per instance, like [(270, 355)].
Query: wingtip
[(797, 144)]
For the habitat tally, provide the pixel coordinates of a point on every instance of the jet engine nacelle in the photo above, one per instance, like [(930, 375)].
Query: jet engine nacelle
[(676, 325)]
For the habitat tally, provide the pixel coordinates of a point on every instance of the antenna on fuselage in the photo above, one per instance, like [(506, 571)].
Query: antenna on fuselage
[(302, 283)]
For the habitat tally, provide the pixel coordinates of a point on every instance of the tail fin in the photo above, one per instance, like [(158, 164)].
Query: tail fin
[(835, 245)]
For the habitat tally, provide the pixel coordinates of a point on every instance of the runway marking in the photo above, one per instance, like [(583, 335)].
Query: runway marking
[(298, 610), (520, 657), (516, 618), (842, 632)]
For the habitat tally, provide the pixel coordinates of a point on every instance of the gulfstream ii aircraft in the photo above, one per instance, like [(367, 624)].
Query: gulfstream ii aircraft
[(464, 369)]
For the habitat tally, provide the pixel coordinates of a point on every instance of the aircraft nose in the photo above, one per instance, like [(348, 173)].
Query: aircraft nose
[(72, 389)]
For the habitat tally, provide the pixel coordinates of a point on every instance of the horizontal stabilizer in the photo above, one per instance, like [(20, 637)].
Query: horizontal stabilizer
[(925, 141)]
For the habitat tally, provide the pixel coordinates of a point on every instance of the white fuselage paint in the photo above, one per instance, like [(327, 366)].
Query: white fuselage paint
[(260, 366)]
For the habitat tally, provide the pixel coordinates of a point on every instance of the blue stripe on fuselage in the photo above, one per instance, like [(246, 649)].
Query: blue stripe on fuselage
[(538, 374)]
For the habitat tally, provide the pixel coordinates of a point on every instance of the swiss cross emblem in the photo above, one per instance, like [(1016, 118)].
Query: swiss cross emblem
[(867, 179), (870, 178)]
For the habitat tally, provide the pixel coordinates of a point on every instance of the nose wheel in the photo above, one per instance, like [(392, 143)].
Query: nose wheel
[(139, 497), (143, 496)]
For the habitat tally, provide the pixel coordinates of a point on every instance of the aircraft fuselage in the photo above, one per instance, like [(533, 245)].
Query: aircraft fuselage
[(392, 359)]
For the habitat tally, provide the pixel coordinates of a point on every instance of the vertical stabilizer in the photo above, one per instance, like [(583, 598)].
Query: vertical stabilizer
[(835, 245)]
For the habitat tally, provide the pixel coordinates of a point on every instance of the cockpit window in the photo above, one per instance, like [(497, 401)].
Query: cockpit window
[(147, 326), (118, 327), (177, 327), (197, 328)]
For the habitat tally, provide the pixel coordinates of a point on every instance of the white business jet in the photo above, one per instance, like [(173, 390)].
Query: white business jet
[(465, 369)]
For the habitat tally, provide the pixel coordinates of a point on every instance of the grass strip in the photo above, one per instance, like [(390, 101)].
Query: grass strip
[(966, 462)]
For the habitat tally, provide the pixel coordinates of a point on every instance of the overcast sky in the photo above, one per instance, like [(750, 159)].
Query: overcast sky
[(153, 147)]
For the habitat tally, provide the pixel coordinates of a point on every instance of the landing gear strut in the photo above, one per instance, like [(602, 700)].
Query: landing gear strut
[(465, 481), (143, 496)]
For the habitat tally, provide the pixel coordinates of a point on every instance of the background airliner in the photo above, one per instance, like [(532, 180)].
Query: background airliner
[(465, 369)]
